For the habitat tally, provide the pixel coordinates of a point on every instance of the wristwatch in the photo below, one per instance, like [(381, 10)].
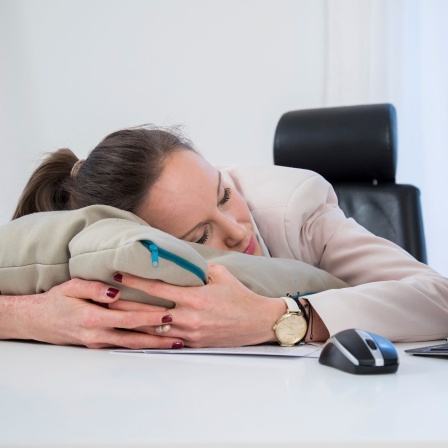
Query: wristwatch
[(291, 328)]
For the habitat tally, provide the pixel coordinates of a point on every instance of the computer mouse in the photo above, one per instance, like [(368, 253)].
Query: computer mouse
[(360, 352)]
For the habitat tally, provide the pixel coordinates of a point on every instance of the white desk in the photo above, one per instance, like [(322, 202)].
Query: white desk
[(70, 397)]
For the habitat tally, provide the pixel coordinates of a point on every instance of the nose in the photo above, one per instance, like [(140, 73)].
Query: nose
[(233, 233)]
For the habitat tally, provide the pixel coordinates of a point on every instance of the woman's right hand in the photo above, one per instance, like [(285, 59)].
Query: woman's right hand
[(76, 313)]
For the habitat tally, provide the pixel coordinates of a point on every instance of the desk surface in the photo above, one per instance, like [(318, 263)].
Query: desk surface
[(69, 396)]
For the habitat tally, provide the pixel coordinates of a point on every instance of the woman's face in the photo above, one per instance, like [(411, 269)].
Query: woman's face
[(191, 202)]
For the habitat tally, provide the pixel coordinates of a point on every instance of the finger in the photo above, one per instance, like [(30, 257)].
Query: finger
[(93, 290), (185, 295), (139, 340), (132, 340), (165, 331), (161, 316), (108, 318), (128, 305), (217, 272), (160, 329)]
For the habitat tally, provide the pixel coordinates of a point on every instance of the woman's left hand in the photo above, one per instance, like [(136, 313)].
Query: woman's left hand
[(223, 313)]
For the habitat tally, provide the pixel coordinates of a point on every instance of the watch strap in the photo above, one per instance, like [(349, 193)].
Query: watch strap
[(291, 305), (302, 307)]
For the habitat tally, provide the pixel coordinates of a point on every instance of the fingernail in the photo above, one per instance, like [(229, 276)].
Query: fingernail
[(112, 293), (177, 345), (166, 319), (118, 277)]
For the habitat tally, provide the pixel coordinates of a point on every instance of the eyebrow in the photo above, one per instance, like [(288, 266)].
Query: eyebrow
[(201, 223)]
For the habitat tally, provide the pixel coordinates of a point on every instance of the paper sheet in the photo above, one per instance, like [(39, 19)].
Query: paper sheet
[(305, 350)]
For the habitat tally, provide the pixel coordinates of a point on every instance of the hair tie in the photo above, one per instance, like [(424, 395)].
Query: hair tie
[(76, 167)]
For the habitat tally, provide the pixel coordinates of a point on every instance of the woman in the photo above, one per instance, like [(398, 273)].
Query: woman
[(158, 176)]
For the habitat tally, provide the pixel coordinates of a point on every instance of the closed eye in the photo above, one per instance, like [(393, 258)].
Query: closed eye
[(226, 197), (205, 236)]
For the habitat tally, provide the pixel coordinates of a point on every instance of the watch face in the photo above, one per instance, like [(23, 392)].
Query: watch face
[(291, 329)]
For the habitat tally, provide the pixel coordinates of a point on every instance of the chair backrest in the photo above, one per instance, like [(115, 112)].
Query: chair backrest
[(355, 149)]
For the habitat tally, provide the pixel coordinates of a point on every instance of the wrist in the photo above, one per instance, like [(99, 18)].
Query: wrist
[(274, 308), (292, 327), (13, 317)]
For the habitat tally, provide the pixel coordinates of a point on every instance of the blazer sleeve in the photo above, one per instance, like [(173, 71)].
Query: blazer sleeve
[(391, 293)]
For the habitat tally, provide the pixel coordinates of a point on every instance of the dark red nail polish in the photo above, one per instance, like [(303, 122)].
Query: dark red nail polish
[(177, 345), (112, 292), (166, 319), (118, 277)]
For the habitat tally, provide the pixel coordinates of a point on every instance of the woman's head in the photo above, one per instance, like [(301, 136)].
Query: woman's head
[(118, 172), (153, 173), (193, 202)]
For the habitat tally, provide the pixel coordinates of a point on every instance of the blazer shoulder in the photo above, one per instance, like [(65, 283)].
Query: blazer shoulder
[(265, 186)]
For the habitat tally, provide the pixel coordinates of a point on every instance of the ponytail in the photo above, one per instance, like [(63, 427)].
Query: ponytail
[(46, 188), (118, 172)]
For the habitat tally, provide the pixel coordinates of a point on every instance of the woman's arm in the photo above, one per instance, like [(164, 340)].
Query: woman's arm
[(392, 294), (71, 314), (223, 313)]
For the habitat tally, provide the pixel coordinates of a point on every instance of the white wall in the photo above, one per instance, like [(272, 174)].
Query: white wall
[(71, 71)]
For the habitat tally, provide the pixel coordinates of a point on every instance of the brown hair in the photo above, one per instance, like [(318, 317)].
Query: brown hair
[(118, 172)]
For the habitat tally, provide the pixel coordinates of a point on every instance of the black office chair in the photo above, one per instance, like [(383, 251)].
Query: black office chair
[(355, 149)]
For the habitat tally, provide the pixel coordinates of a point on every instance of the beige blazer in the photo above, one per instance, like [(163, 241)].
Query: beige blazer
[(391, 293)]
